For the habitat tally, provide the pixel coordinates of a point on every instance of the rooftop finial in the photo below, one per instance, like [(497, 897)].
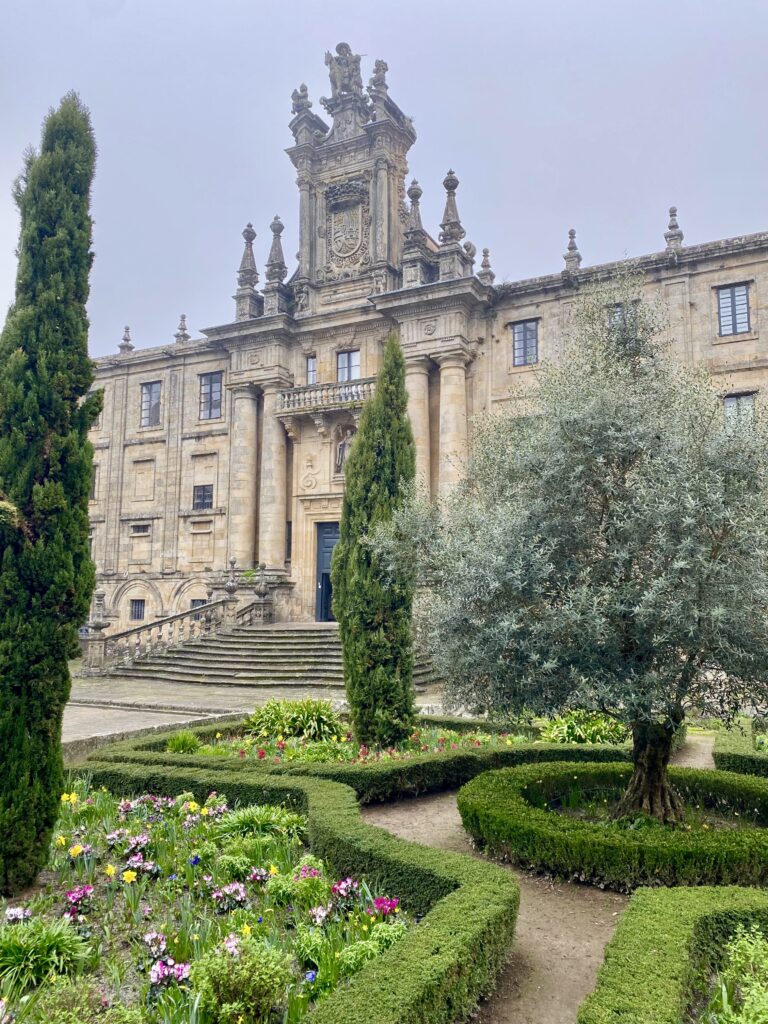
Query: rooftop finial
[(248, 274), (126, 345), (486, 275), (572, 256), (276, 268), (415, 193), (182, 334), (451, 225), (673, 235), (300, 99)]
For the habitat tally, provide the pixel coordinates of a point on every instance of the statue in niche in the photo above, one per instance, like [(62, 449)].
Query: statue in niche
[(344, 72), (343, 448)]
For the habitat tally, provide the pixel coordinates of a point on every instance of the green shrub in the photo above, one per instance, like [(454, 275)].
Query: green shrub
[(355, 956), (34, 951), (740, 993), (666, 947), (436, 973), (79, 1002), (261, 821), (584, 727), (734, 750), (183, 742), (505, 810), (244, 987), (309, 718)]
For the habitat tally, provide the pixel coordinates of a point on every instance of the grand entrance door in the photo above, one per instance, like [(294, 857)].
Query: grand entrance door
[(327, 535)]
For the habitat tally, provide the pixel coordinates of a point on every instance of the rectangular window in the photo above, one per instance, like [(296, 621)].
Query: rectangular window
[(140, 529), (739, 408), (202, 497), (288, 540), (348, 365), (311, 369), (94, 483), (150, 404), (525, 343), (210, 396), (733, 309), (137, 609), (197, 602)]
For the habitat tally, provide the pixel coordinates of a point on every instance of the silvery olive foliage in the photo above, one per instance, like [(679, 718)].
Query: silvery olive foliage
[(608, 546)]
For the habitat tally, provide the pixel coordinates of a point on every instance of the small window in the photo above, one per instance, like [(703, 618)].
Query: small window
[(140, 529), (348, 365), (137, 609), (202, 497), (733, 309), (150, 404), (311, 369), (90, 543), (210, 396), (197, 602), (288, 540), (525, 343), (739, 408), (94, 483)]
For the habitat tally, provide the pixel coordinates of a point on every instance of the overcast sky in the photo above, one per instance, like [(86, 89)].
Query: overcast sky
[(593, 114)]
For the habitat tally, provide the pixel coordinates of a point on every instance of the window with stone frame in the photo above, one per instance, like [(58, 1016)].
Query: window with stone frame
[(348, 365), (138, 609), (202, 497), (525, 343), (197, 602), (739, 408), (210, 396), (311, 369), (733, 310), (150, 403)]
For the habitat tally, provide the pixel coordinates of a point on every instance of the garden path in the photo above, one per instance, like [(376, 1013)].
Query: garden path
[(562, 928)]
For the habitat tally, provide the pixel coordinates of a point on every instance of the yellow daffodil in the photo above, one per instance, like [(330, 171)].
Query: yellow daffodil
[(192, 806), (273, 869), (109, 870), (65, 798), (218, 735), (195, 937), (61, 841), (365, 927), (76, 850), (205, 812), (280, 738), (245, 930), (129, 877), (73, 798)]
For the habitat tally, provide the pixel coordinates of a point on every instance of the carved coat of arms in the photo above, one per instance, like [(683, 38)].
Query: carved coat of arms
[(348, 221)]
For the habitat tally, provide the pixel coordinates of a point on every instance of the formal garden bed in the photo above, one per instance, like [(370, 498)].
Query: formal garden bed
[(669, 958), (557, 818), (157, 908), (743, 748)]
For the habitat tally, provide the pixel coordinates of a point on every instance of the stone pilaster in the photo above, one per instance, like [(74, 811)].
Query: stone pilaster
[(453, 418), (417, 385), (242, 479), (272, 497)]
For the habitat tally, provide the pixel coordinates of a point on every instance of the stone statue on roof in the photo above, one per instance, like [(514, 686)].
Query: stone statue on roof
[(344, 72)]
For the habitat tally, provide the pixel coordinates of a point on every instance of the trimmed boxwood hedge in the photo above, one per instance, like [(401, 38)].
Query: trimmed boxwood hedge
[(734, 751), (499, 809), (666, 945), (440, 968)]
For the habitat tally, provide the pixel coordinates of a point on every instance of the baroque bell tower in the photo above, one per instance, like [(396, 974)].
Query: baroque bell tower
[(351, 178)]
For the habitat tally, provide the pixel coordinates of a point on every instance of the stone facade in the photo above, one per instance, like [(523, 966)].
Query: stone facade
[(232, 445)]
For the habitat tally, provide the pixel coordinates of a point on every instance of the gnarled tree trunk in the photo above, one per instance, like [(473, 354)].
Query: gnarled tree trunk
[(650, 791)]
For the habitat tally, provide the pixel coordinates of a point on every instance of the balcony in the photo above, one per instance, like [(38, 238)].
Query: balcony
[(326, 397)]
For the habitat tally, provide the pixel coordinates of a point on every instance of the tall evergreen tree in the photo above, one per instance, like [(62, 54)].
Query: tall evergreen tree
[(46, 573), (374, 609)]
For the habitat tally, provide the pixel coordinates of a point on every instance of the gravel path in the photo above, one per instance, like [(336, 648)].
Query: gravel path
[(562, 928)]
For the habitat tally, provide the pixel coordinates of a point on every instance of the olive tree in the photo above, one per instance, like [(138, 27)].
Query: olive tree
[(607, 548)]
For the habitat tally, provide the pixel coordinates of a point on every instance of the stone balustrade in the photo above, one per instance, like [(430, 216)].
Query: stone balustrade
[(321, 397)]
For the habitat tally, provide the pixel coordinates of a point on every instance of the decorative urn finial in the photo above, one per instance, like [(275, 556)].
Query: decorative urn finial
[(182, 334), (247, 273), (572, 256), (126, 345), (276, 268), (673, 235), (452, 230), (486, 275)]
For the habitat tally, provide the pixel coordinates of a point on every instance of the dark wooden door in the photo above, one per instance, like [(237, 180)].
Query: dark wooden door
[(327, 535)]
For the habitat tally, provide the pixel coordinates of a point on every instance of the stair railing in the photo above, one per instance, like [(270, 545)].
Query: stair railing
[(120, 650)]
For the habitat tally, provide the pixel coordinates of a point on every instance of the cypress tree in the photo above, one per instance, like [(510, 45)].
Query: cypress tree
[(46, 573), (373, 609)]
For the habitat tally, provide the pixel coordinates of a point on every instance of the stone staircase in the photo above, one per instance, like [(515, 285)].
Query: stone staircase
[(304, 656)]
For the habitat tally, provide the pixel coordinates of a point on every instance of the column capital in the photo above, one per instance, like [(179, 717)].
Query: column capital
[(417, 364), (242, 389), (456, 359)]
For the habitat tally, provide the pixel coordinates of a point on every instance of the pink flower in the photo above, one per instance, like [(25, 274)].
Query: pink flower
[(385, 906)]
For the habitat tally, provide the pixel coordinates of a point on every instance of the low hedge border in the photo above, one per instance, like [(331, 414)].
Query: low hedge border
[(668, 941), (734, 751), (496, 811), (436, 974)]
